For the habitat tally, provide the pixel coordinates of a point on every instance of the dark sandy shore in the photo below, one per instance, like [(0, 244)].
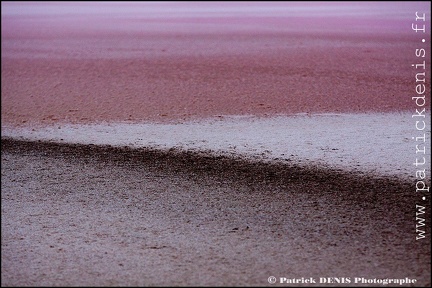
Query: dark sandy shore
[(86, 215)]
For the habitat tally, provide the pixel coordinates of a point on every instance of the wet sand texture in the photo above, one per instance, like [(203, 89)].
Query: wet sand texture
[(94, 215)]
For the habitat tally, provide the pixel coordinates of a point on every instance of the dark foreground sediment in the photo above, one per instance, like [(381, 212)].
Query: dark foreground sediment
[(92, 215)]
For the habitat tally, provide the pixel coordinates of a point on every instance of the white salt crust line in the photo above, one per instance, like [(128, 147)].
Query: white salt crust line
[(382, 144)]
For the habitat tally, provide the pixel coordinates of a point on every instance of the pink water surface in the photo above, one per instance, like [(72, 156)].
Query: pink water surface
[(96, 61)]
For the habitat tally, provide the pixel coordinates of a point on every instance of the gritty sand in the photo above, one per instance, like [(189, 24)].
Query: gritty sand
[(101, 216), (77, 215)]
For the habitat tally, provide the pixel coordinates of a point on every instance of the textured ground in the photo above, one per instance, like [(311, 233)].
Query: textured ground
[(87, 215)]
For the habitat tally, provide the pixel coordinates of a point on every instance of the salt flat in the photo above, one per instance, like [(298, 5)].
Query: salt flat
[(380, 143)]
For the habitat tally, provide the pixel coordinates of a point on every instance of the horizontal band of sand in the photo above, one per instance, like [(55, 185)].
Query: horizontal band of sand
[(377, 144)]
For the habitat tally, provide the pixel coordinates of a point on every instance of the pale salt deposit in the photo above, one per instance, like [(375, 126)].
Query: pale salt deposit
[(382, 144)]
